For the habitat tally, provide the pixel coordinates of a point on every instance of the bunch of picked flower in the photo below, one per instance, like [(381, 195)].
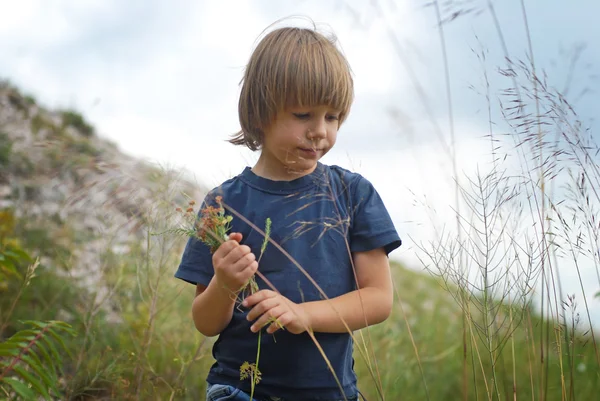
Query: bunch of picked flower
[(212, 226)]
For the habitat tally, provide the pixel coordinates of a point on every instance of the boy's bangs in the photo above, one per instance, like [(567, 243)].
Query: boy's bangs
[(317, 75)]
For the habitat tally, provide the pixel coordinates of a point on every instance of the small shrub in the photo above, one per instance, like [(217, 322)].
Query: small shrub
[(21, 164), (76, 120), (83, 146), (39, 122), (5, 149), (17, 101), (30, 100)]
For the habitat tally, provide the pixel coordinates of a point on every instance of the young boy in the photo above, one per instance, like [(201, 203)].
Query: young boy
[(297, 91)]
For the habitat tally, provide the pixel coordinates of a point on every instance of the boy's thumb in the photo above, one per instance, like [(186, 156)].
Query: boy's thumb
[(235, 237)]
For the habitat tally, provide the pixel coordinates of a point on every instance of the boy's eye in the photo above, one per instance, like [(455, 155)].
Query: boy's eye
[(302, 116), (332, 118)]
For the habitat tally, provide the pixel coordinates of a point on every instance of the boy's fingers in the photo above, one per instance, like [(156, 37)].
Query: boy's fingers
[(258, 297), (237, 252), (271, 314), (249, 271), (261, 308), (235, 237), (281, 322), (225, 248), (244, 262)]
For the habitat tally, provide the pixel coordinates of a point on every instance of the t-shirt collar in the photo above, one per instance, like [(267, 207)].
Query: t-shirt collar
[(283, 187)]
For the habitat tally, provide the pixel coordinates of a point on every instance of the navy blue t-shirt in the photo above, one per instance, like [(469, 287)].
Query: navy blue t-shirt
[(318, 219)]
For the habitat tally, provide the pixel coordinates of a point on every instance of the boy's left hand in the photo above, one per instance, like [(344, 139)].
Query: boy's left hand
[(269, 306)]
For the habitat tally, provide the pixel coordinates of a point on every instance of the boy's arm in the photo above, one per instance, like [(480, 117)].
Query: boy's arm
[(370, 304), (213, 305), (212, 308)]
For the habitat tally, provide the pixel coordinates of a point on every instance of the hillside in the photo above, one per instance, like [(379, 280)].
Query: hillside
[(96, 218), (68, 186)]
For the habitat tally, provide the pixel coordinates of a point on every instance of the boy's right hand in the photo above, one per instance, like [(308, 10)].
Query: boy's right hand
[(234, 264)]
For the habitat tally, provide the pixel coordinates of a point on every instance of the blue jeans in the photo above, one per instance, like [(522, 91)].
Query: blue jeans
[(223, 392)]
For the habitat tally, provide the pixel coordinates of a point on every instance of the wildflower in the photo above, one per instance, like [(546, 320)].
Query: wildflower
[(213, 225), (250, 371)]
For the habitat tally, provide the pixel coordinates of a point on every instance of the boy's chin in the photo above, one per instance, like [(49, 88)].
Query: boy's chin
[(302, 167)]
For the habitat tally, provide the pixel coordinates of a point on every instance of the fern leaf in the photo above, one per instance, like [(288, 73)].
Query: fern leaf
[(47, 359), (60, 341), (25, 335), (32, 355), (35, 323), (53, 351), (10, 346), (48, 381), (20, 388), (8, 352), (31, 379)]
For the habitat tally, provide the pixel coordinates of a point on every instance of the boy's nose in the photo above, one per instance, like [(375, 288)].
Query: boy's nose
[(318, 130)]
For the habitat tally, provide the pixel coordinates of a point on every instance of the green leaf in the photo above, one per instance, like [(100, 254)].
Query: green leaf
[(58, 339), (41, 325), (37, 368), (20, 388), (46, 357), (55, 355), (25, 335), (63, 325), (35, 383), (11, 353), (38, 361), (10, 344), (9, 267), (53, 351), (18, 254)]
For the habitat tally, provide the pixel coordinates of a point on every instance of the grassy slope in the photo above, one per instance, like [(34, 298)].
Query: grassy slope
[(435, 320)]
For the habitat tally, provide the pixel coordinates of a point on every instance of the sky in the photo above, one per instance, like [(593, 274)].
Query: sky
[(161, 80)]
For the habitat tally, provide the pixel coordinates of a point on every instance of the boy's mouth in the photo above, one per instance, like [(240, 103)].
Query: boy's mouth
[(310, 152)]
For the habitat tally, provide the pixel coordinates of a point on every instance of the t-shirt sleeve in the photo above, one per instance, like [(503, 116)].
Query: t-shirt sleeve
[(371, 226), (196, 263)]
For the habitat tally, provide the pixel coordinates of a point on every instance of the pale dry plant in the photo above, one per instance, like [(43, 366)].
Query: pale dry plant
[(495, 293), (155, 269), (531, 110), (138, 278)]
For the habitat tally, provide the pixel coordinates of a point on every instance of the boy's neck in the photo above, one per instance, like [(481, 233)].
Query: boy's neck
[(280, 173)]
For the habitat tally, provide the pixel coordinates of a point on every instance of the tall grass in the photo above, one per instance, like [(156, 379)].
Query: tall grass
[(501, 261)]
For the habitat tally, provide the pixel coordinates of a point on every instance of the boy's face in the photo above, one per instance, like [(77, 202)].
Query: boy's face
[(296, 140)]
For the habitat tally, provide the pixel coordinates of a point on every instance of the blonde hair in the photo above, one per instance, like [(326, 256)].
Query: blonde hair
[(291, 67)]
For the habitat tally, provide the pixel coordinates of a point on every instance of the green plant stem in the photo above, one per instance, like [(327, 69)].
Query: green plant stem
[(262, 251), (255, 370), (28, 277)]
